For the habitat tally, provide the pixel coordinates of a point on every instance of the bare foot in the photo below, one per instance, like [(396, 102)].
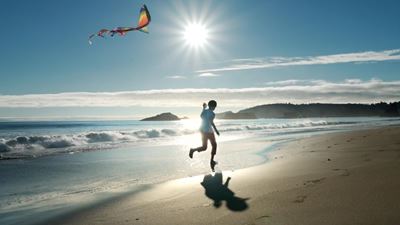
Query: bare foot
[(212, 164), (191, 153)]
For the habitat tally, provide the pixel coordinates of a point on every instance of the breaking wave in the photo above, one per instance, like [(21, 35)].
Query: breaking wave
[(25, 146), (274, 126), (297, 125), (38, 145)]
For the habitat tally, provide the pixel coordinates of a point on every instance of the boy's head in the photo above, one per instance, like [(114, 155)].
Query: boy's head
[(212, 104)]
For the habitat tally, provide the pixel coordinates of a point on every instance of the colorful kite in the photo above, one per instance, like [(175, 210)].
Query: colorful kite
[(144, 20)]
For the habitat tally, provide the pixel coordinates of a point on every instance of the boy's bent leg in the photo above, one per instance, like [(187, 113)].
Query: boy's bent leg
[(204, 140)]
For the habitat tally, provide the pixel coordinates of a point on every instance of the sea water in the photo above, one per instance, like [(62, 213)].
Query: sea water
[(50, 167)]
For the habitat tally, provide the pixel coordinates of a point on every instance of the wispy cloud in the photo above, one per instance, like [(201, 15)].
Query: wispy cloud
[(292, 82), (295, 91), (176, 77), (208, 74), (260, 63)]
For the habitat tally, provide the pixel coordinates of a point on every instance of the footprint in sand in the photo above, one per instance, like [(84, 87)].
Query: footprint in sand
[(300, 199), (265, 219), (366, 157), (313, 182), (344, 173)]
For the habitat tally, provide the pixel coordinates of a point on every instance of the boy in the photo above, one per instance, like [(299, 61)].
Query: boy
[(207, 131)]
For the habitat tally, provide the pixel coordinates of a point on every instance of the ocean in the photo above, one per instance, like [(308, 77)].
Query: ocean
[(48, 168)]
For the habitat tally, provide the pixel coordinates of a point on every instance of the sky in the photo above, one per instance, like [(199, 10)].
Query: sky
[(254, 52)]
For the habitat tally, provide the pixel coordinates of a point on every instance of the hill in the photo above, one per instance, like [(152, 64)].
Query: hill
[(314, 110)]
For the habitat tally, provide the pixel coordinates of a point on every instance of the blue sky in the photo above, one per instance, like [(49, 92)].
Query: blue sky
[(45, 51)]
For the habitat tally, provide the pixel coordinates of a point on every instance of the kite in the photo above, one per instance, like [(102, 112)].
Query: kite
[(144, 21)]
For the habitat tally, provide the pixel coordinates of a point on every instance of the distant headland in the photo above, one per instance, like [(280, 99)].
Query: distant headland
[(288, 110)]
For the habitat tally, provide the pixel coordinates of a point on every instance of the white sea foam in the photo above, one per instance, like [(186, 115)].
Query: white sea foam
[(34, 144), (274, 126)]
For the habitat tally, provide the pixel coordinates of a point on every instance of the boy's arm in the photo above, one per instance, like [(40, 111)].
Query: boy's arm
[(204, 108), (215, 128)]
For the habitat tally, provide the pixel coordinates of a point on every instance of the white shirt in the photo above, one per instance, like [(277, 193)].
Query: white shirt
[(207, 117)]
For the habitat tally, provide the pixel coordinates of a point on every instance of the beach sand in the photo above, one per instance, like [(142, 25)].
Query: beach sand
[(338, 178)]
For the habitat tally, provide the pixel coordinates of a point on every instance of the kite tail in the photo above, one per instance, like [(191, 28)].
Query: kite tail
[(144, 21)]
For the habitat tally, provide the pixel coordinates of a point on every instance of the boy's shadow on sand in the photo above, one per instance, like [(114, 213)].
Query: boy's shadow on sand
[(218, 192)]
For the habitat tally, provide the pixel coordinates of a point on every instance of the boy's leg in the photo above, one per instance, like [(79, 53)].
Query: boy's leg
[(214, 145), (204, 140), (213, 151)]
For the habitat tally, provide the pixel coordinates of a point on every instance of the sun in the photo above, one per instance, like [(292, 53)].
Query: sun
[(195, 35)]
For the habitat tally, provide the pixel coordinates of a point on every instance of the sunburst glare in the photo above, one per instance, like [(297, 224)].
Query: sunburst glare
[(195, 35)]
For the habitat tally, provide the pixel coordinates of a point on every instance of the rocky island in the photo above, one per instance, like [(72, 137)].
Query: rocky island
[(162, 117)]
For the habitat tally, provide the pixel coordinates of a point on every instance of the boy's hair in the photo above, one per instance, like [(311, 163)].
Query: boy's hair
[(212, 104)]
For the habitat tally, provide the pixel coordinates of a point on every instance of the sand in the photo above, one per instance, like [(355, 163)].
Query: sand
[(338, 178)]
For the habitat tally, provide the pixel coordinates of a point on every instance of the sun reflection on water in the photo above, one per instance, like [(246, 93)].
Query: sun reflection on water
[(190, 124), (193, 137)]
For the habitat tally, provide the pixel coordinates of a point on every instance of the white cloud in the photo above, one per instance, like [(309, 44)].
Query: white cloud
[(176, 77), (353, 81), (289, 82), (260, 63), (309, 82), (300, 91), (208, 75)]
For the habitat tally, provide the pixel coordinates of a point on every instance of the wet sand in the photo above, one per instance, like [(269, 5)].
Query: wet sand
[(339, 178)]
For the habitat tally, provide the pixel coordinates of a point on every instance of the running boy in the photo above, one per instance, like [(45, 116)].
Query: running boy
[(207, 131)]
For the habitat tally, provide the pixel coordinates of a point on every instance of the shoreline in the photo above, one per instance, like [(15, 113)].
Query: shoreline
[(157, 194)]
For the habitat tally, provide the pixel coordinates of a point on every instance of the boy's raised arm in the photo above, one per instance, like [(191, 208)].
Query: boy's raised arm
[(204, 108)]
